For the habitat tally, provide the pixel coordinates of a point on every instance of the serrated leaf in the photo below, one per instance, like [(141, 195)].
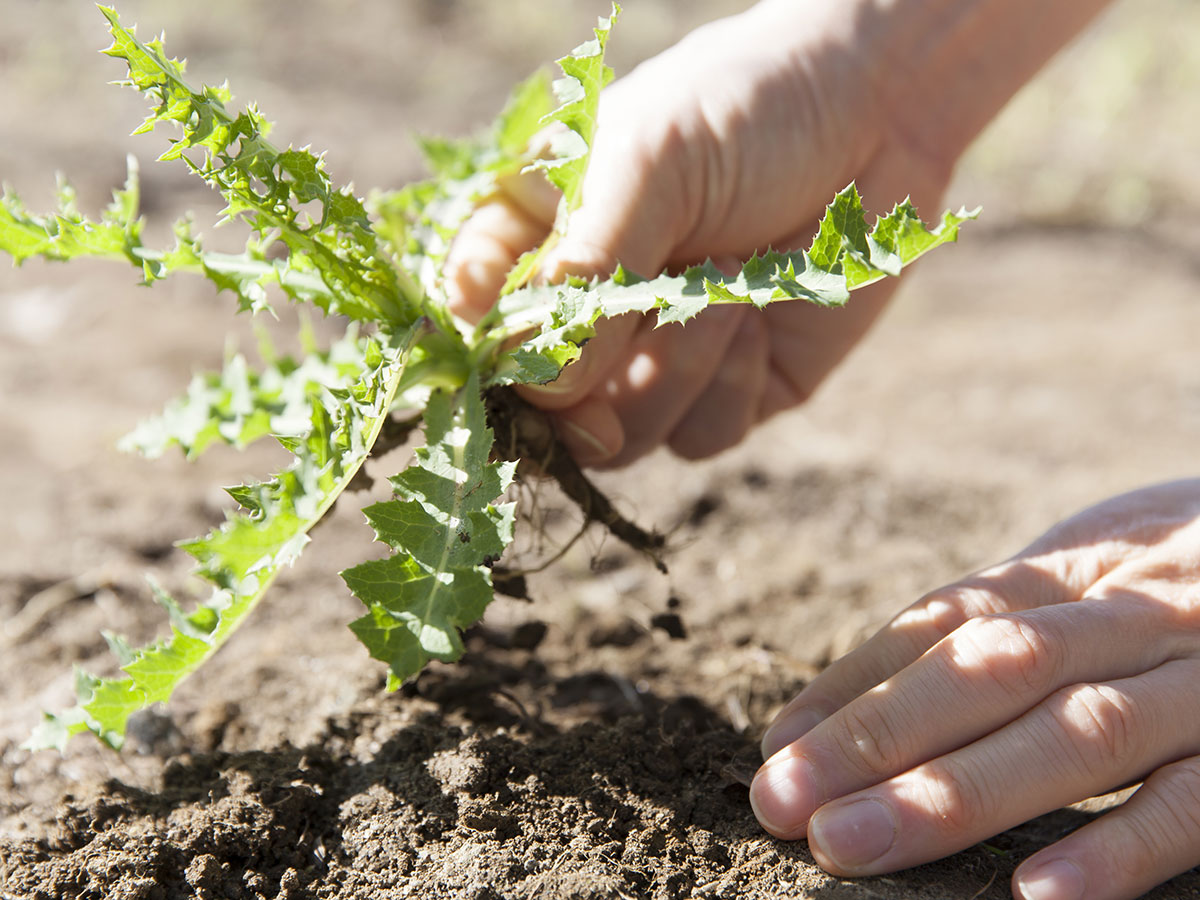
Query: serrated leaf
[(585, 74), (271, 189), (67, 234), (845, 255), (409, 622), (443, 526), (242, 557), (238, 406)]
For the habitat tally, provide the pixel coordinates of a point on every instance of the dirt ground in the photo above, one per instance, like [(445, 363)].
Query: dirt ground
[(595, 742)]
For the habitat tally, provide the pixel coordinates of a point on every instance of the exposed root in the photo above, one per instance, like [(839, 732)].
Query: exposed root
[(524, 433)]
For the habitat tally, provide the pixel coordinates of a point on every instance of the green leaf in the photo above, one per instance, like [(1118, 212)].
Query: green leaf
[(66, 234), (443, 527), (284, 195), (242, 557), (238, 406), (585, 74), (523, 116), (845, 255)]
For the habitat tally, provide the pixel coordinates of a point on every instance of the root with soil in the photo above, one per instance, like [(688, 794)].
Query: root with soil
[(525, 433)]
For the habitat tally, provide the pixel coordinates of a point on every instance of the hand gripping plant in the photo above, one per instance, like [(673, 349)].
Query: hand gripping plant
[(378, 267)]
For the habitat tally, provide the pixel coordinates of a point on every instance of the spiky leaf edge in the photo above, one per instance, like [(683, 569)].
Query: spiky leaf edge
[(844, 256), (444, 526), (241, 558)]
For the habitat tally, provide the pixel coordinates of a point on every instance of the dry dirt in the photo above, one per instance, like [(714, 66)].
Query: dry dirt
[(595, 742)]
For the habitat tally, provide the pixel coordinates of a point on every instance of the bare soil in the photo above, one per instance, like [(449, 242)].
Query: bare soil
[(595, 742)]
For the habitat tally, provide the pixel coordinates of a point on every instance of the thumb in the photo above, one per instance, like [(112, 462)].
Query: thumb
[(632, 209), (515, 219)]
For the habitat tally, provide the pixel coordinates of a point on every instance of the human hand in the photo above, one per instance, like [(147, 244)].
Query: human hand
[(1061, 674), (730, 142)]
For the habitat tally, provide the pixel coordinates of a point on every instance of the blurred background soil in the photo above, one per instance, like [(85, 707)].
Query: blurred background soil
[(584, 748)]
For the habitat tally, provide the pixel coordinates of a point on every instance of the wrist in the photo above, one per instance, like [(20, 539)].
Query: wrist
[(938, 71)]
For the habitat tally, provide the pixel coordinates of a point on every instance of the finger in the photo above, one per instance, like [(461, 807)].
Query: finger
[(1021, 583), (594, 431), (583, 377), (668, 368), (780, 393), (983, 675), (628, 214), (728, 408), (590, 430), (533, 194), (485, 249), (1081, 741), (1152, 837), (808, 341), (609, 347)]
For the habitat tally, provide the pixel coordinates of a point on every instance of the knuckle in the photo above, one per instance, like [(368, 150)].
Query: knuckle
[(980, 595), (870, 743), (1169, 819), (956, 802), (1179, 786), (1100, 724), (946, 613), (948, 609), (1187, 607), (935, 616), (1019, 656)]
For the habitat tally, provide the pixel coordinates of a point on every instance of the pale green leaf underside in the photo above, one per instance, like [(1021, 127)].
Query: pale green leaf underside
[(239, 405), (585, 74), (845, 255)]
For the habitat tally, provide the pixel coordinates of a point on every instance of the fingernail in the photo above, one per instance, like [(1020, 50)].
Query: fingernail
[(1057, 880), (853, 835), (584, 446), (789, 727), (783, 795)]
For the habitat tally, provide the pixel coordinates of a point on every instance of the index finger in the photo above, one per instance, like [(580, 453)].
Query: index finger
[(988, 673), (1019, 584), (512, 221)]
